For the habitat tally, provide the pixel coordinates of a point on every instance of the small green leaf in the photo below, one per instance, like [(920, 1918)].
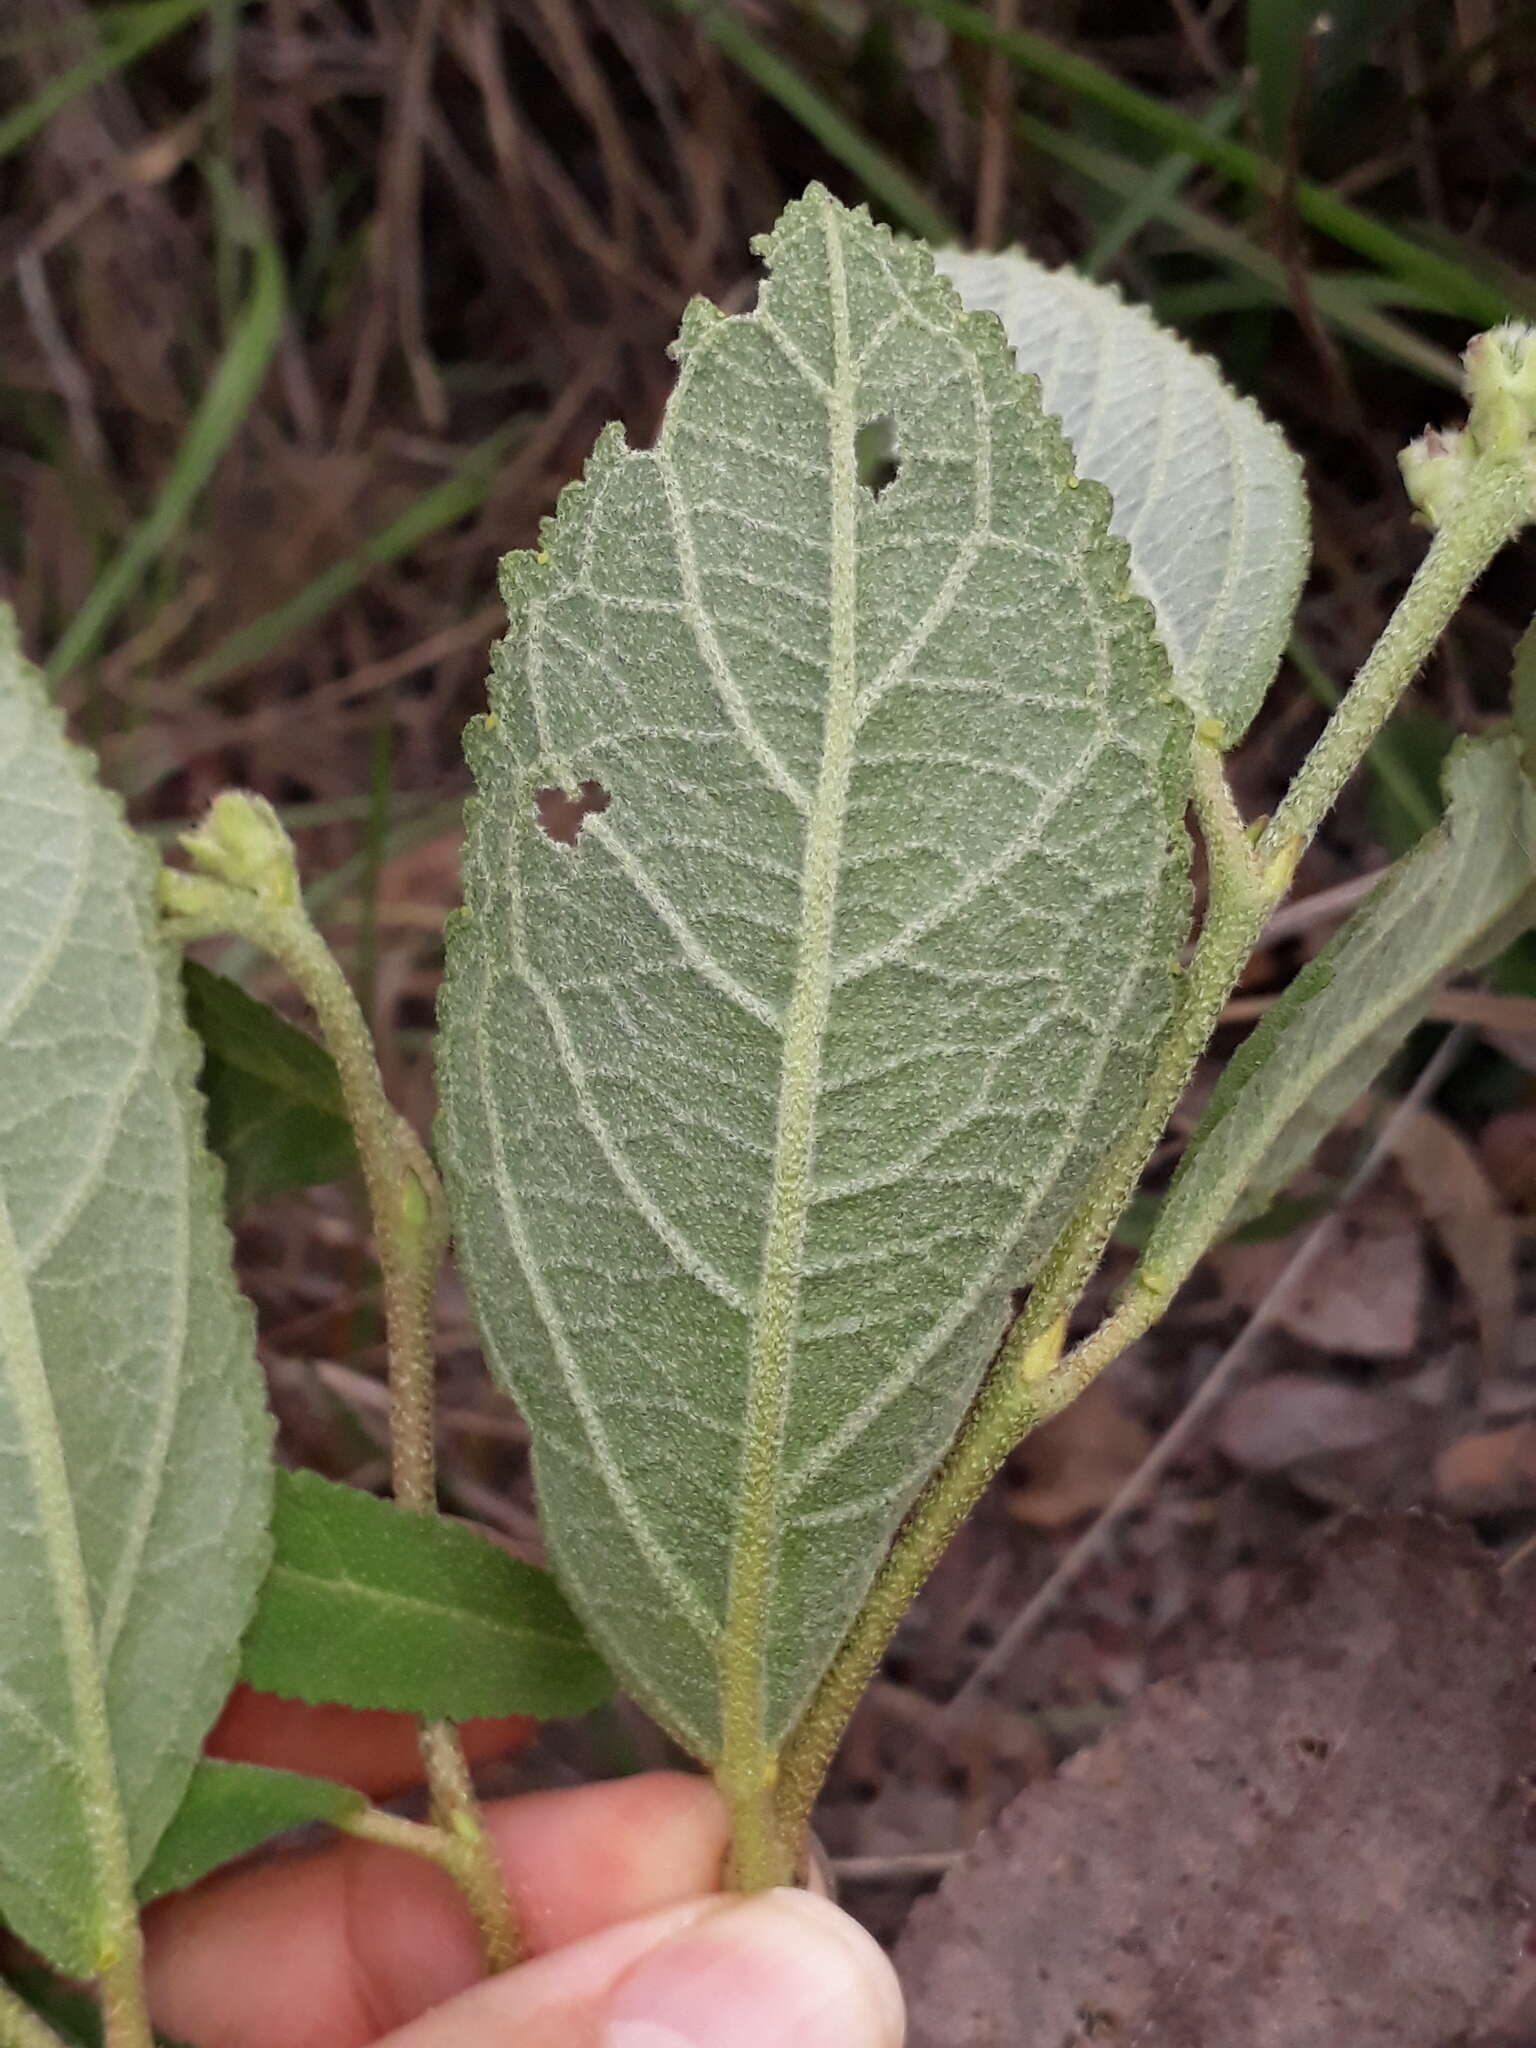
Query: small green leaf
[(135, 1469), (232, 1808), (1208, 497), (368, 1606), (275, 1112), (776, 1050), (1461, 896)]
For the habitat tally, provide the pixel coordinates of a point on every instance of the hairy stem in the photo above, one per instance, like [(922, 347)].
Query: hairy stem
[(124, 2009), (1491, 508), (259, 902), (21, 2027), (1030, 1381)]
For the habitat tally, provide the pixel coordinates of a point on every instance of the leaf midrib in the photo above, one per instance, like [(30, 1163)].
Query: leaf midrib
[(391, 1600), (21, 1351), (770, 1355)]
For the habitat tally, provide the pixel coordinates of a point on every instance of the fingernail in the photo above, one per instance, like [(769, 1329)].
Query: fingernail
[(781, 1971)]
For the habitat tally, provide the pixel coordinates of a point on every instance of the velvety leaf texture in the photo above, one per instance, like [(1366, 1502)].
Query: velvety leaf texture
[(368, 1606), (776, 1048), (134, 1464), (1460, 896), (1208, 496)]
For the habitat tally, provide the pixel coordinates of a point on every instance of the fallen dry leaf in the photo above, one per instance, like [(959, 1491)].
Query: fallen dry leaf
[(1342, 1445), (1077, 1462), (1460, 1204), (1492, 1473), (1312, 1840), (1363, 1296), (1295, 1415), (1508, 1149)]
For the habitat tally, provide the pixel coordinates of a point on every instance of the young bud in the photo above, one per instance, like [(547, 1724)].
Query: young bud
[(1500, 384), (1435, 468), (241, 842)]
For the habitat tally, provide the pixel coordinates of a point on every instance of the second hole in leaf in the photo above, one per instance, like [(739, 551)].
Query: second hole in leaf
[(877, 454)]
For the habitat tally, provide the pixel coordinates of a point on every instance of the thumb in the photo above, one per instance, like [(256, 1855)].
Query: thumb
[(782, 1970)]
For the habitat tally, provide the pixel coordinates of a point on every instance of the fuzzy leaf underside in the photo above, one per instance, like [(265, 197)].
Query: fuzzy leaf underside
[(275, 1112), (134, 1462), (1208, 497), (761, 1095), (1463, 893), (230, 1809), (367, 1606)]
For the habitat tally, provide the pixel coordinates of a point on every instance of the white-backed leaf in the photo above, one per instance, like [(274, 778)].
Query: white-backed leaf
[(1460, 896), (777, 1047), (134, 1466), (1208, 496)]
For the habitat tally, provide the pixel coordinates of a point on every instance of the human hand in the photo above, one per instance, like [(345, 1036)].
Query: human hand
[(630, 1945)]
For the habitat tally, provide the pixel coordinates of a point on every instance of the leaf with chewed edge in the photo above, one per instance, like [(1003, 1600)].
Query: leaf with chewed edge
[(775, 1053)]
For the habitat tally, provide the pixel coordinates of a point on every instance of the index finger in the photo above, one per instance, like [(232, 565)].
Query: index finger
[(373, 1751), (334, 1949)]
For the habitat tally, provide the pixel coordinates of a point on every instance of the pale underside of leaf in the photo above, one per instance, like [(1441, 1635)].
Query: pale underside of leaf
[(761, 1096), (1208, 497), (133, 1435), (1459, 896)]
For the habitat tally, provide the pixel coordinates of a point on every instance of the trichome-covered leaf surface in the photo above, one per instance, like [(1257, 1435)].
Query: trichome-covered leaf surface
[(823, 889), (1208, 497), (1462, 894), (368, 1606), (134, 1470)]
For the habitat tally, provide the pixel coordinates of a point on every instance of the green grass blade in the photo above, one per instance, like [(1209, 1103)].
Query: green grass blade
[(147, 27), (1335, 299), (1162, 184), (454, 498), (882, 178), (219, 416), (1458, 290)]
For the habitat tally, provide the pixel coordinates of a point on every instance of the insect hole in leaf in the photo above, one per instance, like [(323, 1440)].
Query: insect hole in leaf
[(561, 816)]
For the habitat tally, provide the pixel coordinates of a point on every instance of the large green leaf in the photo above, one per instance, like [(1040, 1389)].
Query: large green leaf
[(1208, 497), (777, 1048), (134, 1471), (368, 1606), (275, 1112), (1459, 897), (232, 1808)]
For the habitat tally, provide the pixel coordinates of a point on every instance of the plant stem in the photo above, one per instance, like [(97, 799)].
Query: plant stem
[(409, 1214), (1493, 505), (1029, 1381), (410, 1225), (124, 2011), (21, 2027)]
